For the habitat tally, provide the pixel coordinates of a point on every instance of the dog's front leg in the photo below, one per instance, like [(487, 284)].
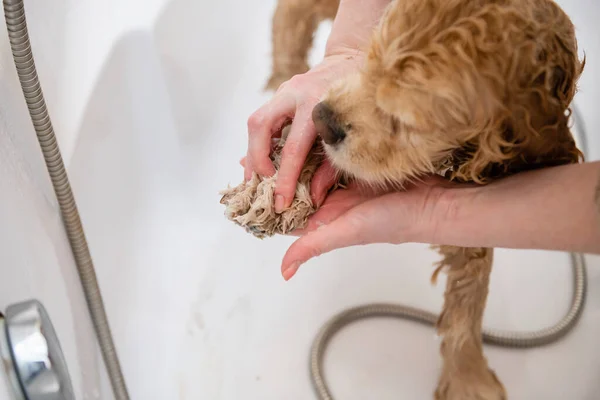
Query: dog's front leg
[(293, 27), (465, 372)]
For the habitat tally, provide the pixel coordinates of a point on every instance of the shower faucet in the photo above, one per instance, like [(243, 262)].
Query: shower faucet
[(34, 365)]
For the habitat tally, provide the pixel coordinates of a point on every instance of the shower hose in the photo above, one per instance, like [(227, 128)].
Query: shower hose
[(14, 14), (19, 41)]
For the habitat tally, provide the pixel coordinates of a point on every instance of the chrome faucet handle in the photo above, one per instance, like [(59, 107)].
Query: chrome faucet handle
[(36, 356)]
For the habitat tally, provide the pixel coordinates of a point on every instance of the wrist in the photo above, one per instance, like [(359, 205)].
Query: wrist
[(345, 58), (340, 50), (547, 209), (353, 25), (447, 217)]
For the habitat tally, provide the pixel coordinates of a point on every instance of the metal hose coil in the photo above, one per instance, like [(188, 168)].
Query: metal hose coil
[(16, 24), (495, 337)]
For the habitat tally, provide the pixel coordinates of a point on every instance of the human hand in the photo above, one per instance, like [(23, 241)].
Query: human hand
[(295, 100), (530, 210), (360, 216)]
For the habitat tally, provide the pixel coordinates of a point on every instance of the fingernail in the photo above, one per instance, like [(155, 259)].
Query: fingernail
[(290, 271), (279, 203)]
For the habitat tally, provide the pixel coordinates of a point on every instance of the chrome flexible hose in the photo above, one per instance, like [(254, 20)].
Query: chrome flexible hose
[(16, 23), (496, 337)]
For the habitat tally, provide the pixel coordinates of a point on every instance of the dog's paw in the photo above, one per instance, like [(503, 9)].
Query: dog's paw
[(457, 386)]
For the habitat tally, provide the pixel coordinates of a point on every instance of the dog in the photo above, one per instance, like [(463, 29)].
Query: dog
[(474, 90)]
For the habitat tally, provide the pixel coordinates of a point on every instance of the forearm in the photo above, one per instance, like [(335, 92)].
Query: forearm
[(353, 25), (550, 209)]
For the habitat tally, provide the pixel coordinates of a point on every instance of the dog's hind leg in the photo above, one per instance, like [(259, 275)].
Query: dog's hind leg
[(465, 372), (293, 27)]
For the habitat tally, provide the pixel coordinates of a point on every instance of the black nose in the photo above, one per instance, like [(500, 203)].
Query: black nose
[(326, 124)]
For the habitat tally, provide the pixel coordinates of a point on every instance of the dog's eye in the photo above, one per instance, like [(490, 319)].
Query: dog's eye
[(348, 127), (394, 123)]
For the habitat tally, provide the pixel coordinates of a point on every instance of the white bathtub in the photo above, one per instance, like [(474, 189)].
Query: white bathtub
[(150, 101)]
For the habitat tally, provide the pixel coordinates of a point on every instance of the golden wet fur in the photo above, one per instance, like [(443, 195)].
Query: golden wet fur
[(293, 27), (472, 89)]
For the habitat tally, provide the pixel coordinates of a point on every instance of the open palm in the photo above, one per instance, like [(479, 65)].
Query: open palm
[(360, 216)]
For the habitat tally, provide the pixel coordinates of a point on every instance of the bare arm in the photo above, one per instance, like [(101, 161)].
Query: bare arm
[(353, 25), (550, 209)]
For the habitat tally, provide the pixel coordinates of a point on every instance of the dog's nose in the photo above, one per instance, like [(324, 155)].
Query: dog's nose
[(326, 125)]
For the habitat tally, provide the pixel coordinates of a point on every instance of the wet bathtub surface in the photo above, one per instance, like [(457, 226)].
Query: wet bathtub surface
[(198, 307)]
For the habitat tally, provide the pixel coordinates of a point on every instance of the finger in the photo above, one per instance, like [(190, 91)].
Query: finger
[(299, 142), (323, 179), (336, 204), (346, 231), (325, 216), (247, 169), (261, 126), (244, 163)]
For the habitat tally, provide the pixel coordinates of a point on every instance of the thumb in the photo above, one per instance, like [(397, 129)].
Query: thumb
[(350, 229), (322, 181)]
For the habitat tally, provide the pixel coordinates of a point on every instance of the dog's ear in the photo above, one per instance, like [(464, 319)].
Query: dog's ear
[(564, 76)]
